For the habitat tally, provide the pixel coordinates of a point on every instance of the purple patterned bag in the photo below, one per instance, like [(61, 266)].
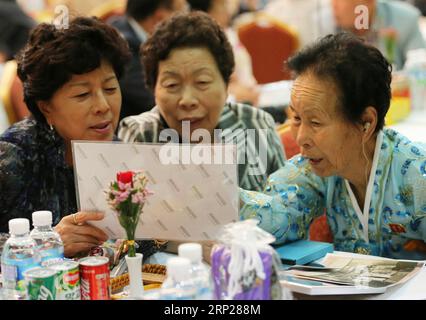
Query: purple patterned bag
[(244, 266)]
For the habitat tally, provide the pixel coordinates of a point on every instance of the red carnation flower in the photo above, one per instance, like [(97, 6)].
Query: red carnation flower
[(125, 177)]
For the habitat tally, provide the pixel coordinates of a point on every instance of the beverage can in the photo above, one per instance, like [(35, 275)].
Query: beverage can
[(94, 278), (68, 284), (41, 283)]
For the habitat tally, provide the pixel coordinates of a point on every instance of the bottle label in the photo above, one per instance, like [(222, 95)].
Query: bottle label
[(51, 256), (16, 268), (9, 272), (13, 270)]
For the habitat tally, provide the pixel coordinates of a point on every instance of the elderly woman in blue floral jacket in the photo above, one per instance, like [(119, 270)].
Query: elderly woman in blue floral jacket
[(370, 180)]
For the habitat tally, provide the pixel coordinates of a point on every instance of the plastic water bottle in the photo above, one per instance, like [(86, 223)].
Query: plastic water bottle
[(200, 273), (19, 254), (415, 66), (178, 284), (49, 243)]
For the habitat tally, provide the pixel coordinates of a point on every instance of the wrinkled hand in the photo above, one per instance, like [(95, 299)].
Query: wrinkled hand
[(77, 235)]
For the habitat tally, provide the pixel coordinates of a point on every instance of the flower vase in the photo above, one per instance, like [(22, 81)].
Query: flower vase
[(134, 266)]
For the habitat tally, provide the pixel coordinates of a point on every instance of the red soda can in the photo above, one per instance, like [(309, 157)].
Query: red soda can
[(94, 278)]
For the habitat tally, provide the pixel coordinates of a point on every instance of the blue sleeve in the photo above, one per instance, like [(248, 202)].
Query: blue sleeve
[(292, 198)]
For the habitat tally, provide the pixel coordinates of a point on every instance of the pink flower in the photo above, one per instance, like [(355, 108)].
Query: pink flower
[(127, 196), (138, 198), (124, 186), (123, 196)]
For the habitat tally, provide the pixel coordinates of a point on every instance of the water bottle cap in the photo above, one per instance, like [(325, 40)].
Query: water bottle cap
[(178, 268), (42, 218), (191, 251), (19, 226)]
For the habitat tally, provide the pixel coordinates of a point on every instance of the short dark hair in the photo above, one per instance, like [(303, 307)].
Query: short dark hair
[(202, 5), (141, 9), (358, 70), (188, 30), (53, 55)]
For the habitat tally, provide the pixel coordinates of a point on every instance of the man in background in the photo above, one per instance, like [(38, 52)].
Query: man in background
[(243, 85), (420, 4), (311, 19), (142, 16), (393, 26), (15, 26)]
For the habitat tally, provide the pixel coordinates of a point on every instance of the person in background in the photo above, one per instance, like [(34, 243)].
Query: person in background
[(420, 4), (393, 26), (188, 65), (15, 26), (71, 87), (310, 19), (243, 85), (249, 6), (142, 16), (370, 180)]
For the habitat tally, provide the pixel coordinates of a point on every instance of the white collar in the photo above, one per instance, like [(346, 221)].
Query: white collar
[(363, 216), (137, 28)]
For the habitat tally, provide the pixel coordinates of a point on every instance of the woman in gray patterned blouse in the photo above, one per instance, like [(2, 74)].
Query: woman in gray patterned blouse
[(188, 63)]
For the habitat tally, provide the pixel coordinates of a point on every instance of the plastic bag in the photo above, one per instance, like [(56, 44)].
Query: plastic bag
[(244, 265)]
